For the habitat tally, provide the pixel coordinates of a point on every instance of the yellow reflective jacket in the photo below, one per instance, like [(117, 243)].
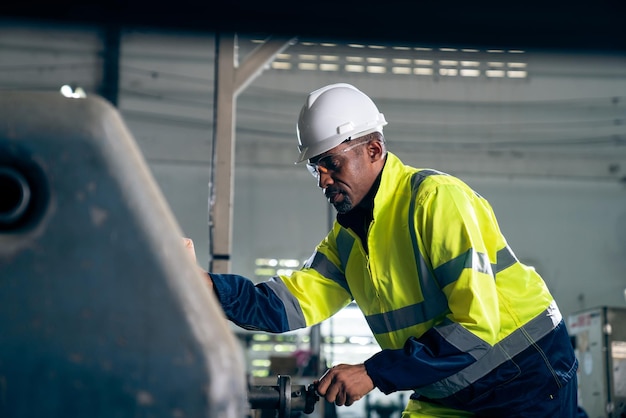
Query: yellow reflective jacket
[(455, 312)]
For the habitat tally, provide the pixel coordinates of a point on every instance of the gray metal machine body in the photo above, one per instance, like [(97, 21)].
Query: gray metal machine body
[(599, 337), (102, 312)]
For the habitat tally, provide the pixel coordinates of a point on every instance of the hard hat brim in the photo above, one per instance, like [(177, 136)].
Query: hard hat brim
[(306, 153)]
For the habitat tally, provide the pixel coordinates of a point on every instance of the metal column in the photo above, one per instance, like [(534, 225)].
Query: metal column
[(230, 80), (111, 64)]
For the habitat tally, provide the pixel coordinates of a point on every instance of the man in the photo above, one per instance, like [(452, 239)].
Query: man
[(460, 320)]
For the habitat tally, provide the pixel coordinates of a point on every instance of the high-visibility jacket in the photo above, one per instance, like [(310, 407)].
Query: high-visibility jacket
[(460, 320)]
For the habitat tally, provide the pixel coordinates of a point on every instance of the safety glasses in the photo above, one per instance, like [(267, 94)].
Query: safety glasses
[(327, 163)]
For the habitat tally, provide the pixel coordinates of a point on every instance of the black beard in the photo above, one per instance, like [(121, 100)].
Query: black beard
[(345, 205)]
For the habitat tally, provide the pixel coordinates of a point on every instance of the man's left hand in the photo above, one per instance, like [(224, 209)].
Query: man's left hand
[(345, 384)]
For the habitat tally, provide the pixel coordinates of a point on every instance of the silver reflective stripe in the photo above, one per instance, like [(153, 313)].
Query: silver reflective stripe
[(295, 317), (512, 345), (505, 259), (462, 339), (403, 318), (320, 263), (345, 242), (435, 302), (450, 271)]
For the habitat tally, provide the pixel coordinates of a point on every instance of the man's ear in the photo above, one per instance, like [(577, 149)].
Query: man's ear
[(375, 150)]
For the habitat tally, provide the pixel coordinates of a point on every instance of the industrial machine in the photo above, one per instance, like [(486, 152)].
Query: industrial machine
[(285, 399), (103, 313), (599, 339)]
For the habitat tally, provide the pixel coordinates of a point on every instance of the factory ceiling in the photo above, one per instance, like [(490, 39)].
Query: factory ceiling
[(574, 25)]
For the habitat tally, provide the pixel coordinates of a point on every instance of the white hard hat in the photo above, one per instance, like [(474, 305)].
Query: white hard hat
[(333, 114)]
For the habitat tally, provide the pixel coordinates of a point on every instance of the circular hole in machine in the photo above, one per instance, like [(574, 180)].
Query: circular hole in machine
[(15, 198)]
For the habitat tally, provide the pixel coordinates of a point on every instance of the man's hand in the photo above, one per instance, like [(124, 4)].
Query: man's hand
[(345, 384), (188, 244)]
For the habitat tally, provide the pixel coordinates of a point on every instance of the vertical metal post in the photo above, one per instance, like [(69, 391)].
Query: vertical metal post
[(111, 64), (221, 196), (230, 80)]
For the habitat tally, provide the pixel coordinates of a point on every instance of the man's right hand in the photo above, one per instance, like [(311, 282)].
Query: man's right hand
[(188, 243)]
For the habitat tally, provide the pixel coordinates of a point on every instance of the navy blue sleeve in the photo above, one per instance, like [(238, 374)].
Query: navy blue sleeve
[(250, 306), (422, 361)]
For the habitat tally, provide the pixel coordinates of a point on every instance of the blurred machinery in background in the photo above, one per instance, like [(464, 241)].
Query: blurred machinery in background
[(384, 408), (283, 400), (102, 311), (599, 338)]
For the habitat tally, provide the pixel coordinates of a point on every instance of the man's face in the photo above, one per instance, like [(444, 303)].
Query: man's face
[(343, 173)]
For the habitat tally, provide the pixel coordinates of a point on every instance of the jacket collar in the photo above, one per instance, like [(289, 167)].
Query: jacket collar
[(381, 192)]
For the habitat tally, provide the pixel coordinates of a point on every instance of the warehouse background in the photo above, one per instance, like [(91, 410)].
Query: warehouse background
[(538, 128)]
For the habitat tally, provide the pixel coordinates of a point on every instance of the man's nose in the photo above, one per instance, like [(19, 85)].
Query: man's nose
[(324, 180)]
